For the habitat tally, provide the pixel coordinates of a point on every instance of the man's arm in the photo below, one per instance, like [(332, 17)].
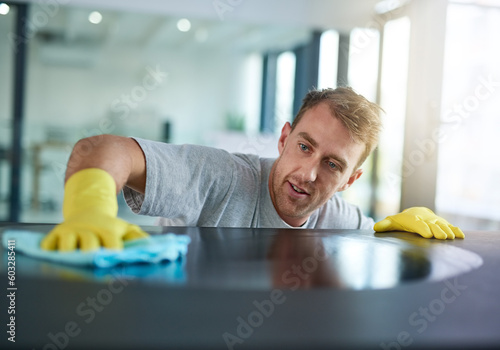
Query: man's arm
[(97, 170), (119, 156)]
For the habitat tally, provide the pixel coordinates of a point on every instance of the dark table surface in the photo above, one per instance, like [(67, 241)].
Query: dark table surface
[(267, 289)]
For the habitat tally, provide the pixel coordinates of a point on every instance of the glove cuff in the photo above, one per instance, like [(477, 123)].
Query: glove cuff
[(90, 190)]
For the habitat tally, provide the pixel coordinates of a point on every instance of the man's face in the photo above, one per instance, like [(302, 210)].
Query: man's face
[(315, 160)]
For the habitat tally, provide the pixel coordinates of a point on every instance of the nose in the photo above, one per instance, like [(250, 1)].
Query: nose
[(309, 169)]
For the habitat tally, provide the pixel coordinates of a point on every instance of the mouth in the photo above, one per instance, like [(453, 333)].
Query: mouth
[(298, 190)]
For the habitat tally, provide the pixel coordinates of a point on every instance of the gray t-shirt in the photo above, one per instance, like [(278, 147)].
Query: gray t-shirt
[(192, 185)]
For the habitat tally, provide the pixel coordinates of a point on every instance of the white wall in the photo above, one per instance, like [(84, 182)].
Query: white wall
[(193, 90)]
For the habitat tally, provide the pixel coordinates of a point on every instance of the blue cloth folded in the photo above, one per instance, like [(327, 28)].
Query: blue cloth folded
[(148, 250)]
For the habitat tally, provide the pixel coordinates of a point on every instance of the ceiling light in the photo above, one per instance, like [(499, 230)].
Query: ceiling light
[(4, 9), (184, 25), (95, 17)]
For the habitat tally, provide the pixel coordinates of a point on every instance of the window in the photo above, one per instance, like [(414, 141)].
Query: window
[(393, 100), (364, 46), (468, 169), (328, 59), (285, 83)]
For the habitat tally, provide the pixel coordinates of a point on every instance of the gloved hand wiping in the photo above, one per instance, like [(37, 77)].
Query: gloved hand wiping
[(90, 212), (422, 221)]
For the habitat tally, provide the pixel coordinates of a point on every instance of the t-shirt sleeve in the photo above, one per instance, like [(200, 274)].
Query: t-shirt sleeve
[(339, 214), (182, 181), (365, 222)]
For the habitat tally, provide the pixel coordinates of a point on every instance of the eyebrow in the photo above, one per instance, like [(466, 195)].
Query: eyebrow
[(343, 163)]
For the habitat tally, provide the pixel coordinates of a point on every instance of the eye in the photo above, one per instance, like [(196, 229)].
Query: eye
[(303, 147), (332, 165)]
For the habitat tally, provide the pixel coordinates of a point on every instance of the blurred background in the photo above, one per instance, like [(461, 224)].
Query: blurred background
[(230, 73)]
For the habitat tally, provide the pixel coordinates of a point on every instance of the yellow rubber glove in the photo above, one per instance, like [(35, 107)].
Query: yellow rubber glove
[(422, 221), (90, 209)]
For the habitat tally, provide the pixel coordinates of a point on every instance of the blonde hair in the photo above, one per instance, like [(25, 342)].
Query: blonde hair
[(360, 116)]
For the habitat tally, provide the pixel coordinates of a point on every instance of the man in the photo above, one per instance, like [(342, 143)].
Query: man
[(320, 154)]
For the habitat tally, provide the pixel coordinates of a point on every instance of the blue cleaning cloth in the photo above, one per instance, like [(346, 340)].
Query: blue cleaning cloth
[(148, 250)]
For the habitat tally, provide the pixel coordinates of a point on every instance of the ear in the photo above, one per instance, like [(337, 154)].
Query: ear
[(285, 131), (351, 180)]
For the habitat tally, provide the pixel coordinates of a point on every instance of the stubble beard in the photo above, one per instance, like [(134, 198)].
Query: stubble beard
[(284, 205)]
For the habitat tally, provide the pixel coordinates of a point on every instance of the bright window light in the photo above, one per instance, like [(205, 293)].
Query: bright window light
[(285, 77), (328, 59), (467, 178), (95, 17), (396, 50), (184, 25)]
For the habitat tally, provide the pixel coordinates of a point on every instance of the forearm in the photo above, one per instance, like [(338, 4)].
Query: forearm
[(120, 156)]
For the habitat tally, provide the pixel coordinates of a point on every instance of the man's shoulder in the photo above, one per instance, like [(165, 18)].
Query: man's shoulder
[(336, 204), (255, 161), (338, 213)]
